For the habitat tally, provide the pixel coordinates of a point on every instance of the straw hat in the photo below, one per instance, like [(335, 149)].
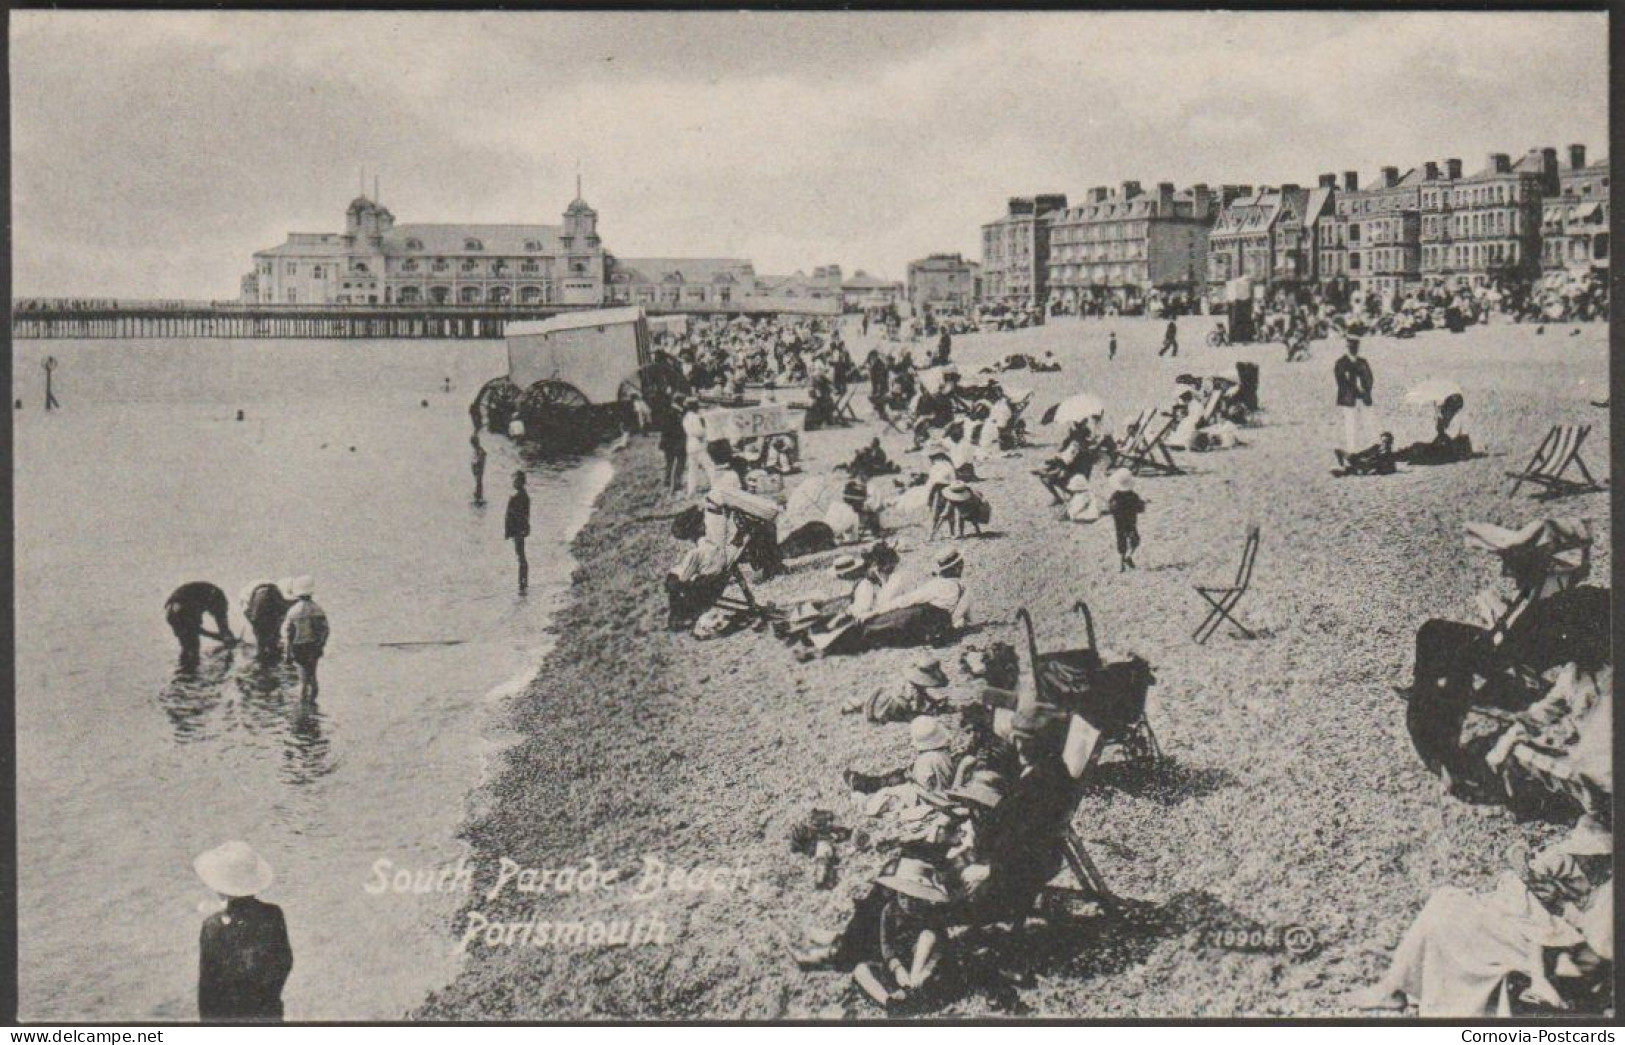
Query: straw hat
[(949, 560), (1077, 484), (849, 567), (927, 734), (1589, 838), (959, 493), (927, 671), (301, 587), (939, 454), (234, 869), (914, 878), (1026, 722), (1122, 479)]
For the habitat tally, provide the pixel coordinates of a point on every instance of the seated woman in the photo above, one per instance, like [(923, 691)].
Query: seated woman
[(1449, 443), (926, 615), (695, 582), (962, 508), (1455, 959), (1080, 503)]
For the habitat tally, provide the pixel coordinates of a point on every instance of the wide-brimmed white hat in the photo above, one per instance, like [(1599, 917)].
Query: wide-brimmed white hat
[(927, 672), (300, 587), (927, 734), (1589, 838), (1122, 479), (958, 493), (914, 878), (234, 869)]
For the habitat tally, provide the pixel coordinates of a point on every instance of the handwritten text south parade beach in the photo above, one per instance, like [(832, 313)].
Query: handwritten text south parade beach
[(652, 878)]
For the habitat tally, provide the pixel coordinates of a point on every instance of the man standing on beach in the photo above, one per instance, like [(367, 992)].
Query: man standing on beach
[(1111, 346), (1354, 381), (1170, 340), (516, 527)]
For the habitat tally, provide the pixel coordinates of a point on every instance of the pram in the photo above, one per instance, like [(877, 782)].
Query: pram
[(1109, 698), (1466, 674)]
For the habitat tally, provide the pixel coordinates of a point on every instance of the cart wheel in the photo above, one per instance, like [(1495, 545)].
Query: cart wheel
[(657, 383), (552, 406)]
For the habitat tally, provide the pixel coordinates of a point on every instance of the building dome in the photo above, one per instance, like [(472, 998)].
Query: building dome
[(578, 206)]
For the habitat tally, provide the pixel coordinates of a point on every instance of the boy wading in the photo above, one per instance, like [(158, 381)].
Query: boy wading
[(304, 635), (516, 527)]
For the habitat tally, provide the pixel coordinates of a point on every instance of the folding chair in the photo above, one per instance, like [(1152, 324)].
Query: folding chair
[(1140, 432), (1223, 600), (1153, 455), (843, 406), (1557, 451)]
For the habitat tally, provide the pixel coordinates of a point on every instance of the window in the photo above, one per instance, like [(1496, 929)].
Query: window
[(293, 296), (414, 244), (440, 265), (409, 265), (529, 265), (473, 244), (316, 271), (469, 265), (293, 268), (533, 245)]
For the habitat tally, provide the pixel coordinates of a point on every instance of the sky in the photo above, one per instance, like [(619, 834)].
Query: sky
[(154, 152)]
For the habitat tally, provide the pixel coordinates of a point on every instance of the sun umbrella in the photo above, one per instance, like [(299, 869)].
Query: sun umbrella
[(1431, 392), (1082, 407), (813, 497)]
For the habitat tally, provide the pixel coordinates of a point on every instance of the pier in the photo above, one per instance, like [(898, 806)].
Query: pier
[(36, 318)]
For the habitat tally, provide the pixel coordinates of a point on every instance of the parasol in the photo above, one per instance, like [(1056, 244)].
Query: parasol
[(1432, 392), (1082, 407)]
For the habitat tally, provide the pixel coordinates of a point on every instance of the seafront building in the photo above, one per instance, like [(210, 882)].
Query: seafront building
[(1574, 225), (375, 261), (943, 280), (1121, 243), (862, 291), (1488, 225), (1015, 251)]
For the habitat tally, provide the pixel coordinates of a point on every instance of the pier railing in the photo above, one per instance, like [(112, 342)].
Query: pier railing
[(106, 318)]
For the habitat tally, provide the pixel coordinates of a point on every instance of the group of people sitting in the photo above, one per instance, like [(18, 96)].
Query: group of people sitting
[(882, 606)]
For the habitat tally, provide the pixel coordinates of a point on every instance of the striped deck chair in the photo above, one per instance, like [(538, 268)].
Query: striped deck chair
[(1135, 443), (1152, 454), (1558, 451)]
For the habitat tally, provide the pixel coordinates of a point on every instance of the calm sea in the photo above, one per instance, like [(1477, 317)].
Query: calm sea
[(128, 766)]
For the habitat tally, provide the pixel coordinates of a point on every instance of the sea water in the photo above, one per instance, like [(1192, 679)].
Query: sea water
[(128, 765)]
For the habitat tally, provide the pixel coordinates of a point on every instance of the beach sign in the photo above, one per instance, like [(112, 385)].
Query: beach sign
[(748, 422)]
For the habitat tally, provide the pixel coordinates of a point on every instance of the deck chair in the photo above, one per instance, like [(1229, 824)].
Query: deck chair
[(1557, 452), (843, 406), (1223, 600), (1135, 443), (1153, 455)]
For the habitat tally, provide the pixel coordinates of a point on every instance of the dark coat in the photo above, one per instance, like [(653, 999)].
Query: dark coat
[(517, 521), (243, 960), (1353, 380)]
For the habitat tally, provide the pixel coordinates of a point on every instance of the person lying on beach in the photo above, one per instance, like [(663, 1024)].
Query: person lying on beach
[(1549, 917), (910, 696), (1378, 459), (902, 616), (1449, 443)]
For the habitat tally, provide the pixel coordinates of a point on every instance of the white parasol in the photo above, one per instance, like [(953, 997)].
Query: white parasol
[(1085, 406), (1432, 392)]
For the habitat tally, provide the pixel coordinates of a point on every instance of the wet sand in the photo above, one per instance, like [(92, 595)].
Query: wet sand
[(1289, 794)]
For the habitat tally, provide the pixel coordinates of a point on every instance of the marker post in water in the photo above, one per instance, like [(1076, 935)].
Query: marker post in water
[(50, 396)]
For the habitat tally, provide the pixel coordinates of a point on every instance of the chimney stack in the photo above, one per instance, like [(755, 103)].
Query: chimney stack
[(1131, 189), (1577, 157), (1201, 200), (1165, 197), (1328, 181), (1390, 177), (1099, 194), (1452, 169), (1289, 189), (1431, 170), (1351, 181), (1500, 162)]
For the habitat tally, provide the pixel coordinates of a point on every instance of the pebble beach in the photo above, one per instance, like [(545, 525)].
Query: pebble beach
[(1288, 794)]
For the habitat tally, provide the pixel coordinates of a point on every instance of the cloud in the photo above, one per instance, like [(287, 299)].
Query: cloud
[(153, 152)]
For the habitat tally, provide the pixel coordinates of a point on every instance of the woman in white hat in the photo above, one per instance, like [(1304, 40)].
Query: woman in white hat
[(1454, 960), (244, 956), (1080, 504), (913, 932)]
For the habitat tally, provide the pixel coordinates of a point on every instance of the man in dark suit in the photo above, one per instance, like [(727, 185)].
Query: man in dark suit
[(516, 527), (1354, 381)]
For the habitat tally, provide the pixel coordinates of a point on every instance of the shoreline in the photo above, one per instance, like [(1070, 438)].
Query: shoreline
[(635, 743)]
